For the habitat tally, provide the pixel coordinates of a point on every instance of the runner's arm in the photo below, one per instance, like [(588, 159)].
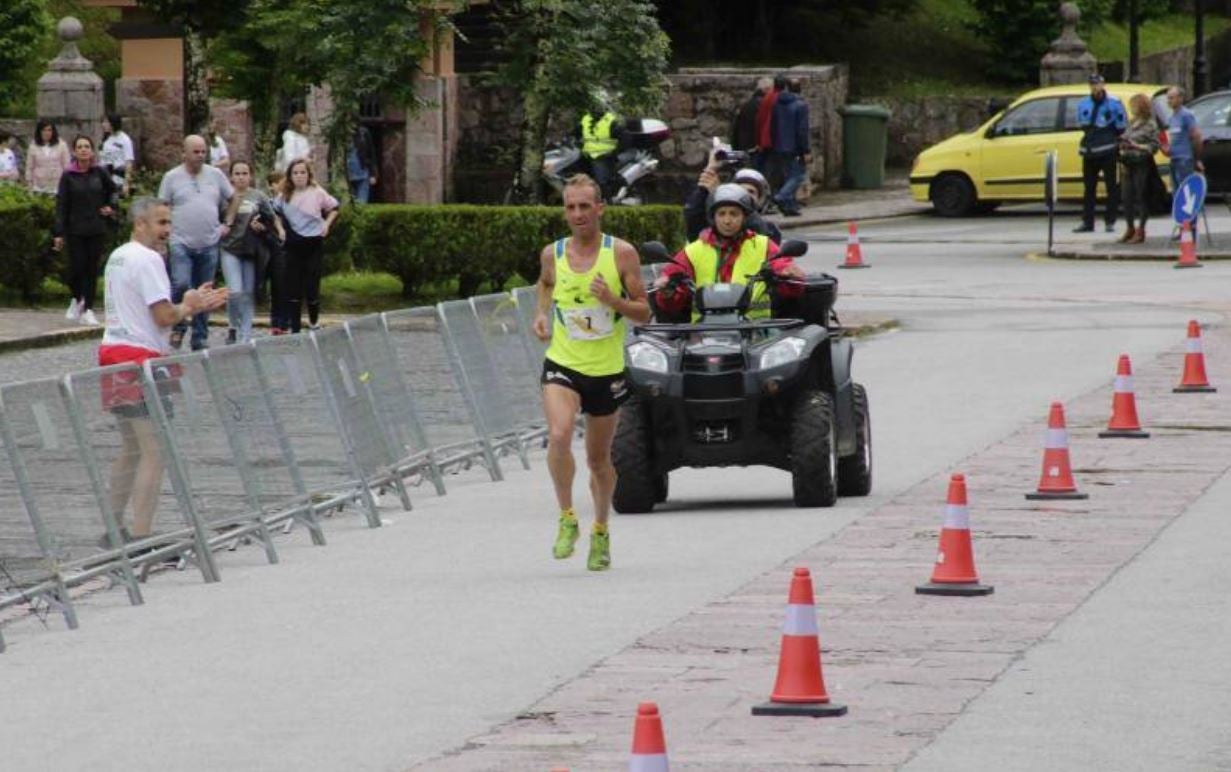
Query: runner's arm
[(635, 306), (543, 290)]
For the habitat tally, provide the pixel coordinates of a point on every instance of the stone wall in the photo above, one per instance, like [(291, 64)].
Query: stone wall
[(701, 103), (918, 123), (153, 112)]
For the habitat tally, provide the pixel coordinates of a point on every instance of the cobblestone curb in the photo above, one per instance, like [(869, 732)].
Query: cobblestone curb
[(906, 665)]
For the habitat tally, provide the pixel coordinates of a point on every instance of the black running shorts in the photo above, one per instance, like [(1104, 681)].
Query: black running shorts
[(600, 394)]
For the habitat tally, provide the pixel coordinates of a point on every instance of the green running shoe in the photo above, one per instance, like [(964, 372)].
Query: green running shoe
[(565, 538), (600, 552)]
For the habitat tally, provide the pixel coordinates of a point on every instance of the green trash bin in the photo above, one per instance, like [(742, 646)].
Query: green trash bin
[(864, 135)]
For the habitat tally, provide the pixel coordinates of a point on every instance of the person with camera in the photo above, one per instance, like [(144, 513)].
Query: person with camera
[(728, 252), (697, 204)]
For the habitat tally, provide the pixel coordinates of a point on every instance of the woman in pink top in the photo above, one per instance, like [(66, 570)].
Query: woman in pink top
[(46, 159), (308, 211)]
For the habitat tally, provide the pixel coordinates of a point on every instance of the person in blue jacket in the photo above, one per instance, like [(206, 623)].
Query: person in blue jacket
[(1102, 119)]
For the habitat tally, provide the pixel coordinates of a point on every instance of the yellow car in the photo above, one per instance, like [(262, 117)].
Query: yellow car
[(1002, 160)]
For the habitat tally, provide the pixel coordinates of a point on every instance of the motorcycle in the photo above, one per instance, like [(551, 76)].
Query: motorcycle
[(634, 160)]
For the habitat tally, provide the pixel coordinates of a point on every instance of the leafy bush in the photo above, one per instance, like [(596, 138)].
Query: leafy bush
[(421, 245), (428, 244), (25, 241)]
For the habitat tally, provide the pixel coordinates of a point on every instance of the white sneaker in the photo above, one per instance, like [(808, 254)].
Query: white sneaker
[(88, 318), (74, 310)]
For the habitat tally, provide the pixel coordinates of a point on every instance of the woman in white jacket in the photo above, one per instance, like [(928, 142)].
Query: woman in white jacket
[(295, 144)]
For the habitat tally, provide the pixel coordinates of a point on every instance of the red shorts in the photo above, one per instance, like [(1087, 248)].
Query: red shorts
[(121, 392)]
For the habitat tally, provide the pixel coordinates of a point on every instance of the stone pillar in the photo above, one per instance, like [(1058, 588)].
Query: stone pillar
[(1068, 59), (70, 93)]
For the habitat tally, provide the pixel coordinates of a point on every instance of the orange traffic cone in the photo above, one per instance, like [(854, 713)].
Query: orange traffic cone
[(1124, 421), (854, 255), (954, 573), (649, 745), (1057, 479), (1188, 248), (800, 688), (1194, 362)]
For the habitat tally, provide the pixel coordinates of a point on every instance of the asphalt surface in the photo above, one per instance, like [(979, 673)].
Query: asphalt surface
[(387, 647)]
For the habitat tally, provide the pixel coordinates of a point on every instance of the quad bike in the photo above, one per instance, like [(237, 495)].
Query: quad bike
[(727, 390)]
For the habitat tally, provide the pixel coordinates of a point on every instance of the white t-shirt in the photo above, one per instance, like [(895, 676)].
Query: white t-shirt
[(136, 278), (218, 152), (8, 163), (117, 150)]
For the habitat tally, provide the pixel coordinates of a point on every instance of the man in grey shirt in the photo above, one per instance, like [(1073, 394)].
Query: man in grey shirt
[(199, 195)]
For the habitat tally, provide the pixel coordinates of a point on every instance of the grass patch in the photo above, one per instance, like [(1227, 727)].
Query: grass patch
[(1109, 42)]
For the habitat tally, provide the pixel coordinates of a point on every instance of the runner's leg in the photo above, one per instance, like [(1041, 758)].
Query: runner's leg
[(599, 432), (560, 406)]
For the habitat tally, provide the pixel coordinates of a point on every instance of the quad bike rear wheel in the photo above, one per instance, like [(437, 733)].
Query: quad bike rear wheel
[(855, 470)]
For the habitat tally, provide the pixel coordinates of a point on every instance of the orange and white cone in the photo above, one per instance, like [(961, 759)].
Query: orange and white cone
[(1194, 378), (800, 687), (1188, 248), (1056, 481), (954, 572), (1124, 421), (854, 254), (649, 745)]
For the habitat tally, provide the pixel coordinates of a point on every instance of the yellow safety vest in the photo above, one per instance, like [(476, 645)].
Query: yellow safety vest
[(586, 335), (596, 135), (704, 258)]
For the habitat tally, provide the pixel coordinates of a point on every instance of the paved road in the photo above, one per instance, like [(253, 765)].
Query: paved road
[(387, 647)]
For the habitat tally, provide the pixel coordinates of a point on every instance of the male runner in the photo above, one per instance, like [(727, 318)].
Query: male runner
[(595, 282)]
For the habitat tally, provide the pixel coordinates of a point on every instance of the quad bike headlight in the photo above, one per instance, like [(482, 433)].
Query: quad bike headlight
[(646, 356), (786, 350)]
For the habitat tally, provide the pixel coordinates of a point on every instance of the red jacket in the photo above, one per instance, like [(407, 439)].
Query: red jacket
[(729, 249), (765, 114)]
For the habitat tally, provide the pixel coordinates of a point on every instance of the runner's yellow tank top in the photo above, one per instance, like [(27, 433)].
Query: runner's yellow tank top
[(586, 335)]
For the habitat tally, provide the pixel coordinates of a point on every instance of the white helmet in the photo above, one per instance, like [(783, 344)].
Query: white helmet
[(754, 178), (730, 194)]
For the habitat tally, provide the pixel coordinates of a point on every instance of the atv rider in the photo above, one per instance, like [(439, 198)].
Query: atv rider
[(729, 252), (696, 205), (601, 132)]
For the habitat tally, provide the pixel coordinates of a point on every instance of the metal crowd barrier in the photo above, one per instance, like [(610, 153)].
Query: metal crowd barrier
[(239, 441), (329, 469), (395, 403), (446, 403), (486, 389)]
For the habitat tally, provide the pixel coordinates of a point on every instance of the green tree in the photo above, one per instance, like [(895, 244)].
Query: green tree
[(355, 49), (559, 52), (24, 26), (201, 21)]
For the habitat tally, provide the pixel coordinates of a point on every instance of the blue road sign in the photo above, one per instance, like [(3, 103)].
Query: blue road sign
[(1188, 199)]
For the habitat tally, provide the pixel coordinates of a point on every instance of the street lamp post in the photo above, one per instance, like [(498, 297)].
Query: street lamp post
[(1134, 52), (1200, 84)]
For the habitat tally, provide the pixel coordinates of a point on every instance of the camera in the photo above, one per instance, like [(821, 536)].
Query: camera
[(728, 157)]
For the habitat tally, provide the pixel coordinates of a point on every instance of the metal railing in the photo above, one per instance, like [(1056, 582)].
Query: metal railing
[(114, 473)]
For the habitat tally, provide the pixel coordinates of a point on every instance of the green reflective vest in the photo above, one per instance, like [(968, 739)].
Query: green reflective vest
[(704, 258), (596, 135)]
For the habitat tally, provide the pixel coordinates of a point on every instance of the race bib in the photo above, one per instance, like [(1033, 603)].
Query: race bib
[(589, 323)]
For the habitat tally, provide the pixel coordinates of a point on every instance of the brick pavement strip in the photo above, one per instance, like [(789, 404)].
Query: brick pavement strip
[(906, 665)]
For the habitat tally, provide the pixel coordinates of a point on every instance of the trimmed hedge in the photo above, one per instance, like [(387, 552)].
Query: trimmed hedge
[(418, 244), (431, 244), (25, 241)]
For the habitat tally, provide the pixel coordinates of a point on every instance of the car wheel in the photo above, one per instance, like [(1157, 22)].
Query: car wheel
[(953, 196), (855, 470), (814, 461), (637, 487)]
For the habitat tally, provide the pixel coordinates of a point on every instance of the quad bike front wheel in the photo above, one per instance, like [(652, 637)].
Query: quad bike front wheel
[(813, 447), (637, 487)]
